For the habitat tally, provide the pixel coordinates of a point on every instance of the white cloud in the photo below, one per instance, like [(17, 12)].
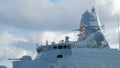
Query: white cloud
[(41, 14), (112, 36), (116, 6), (10, 50), (57, 36), (42, 37), (5, 38)]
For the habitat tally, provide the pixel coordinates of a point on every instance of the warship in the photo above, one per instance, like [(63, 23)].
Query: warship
[(91, 50)]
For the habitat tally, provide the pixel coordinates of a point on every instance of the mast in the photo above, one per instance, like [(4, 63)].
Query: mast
[(119, 34)]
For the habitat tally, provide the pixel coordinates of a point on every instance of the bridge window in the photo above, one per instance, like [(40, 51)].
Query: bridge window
[(65, 47), (59, 47), (55, 47), (62, 47)]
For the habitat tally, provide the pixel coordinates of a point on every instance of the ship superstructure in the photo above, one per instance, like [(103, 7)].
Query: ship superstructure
[(91, 50)]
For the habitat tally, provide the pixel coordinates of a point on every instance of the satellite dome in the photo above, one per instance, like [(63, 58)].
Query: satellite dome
[(98, 37)]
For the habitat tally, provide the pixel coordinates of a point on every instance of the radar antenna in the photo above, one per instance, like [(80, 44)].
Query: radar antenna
[(93, 9)]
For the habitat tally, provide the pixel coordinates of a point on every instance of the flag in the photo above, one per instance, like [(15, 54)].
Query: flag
[(82, 29)]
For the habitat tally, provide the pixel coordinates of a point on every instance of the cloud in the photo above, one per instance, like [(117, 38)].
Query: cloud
[(38, 37), (14, 47), (55, 1), (41, 15), (7, 37), (108, 10), (112, 37)]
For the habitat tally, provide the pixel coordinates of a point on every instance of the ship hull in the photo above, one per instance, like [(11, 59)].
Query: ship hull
[(74, 58)]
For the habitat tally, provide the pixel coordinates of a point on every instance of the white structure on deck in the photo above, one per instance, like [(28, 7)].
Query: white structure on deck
[(91, 50)]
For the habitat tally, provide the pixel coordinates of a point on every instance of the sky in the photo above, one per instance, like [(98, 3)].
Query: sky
[(23, 23)]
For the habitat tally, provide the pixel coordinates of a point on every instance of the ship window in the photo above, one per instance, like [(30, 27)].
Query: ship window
[(39, 50), (55, 47), (60, 56), (59, 47), (65, 47)]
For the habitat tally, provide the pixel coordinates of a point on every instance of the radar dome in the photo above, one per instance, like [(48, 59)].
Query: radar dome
[(98, 36)]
